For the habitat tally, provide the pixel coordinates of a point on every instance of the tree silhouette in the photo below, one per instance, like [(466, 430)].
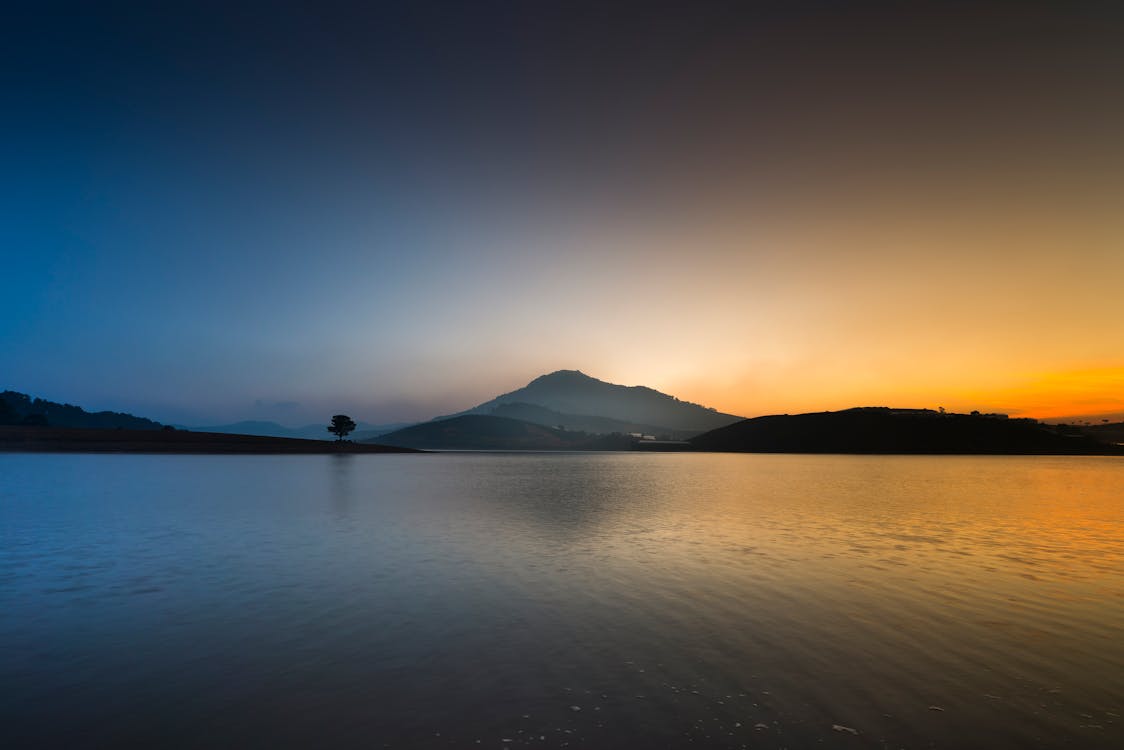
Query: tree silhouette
[(341, 425), (7, 414)]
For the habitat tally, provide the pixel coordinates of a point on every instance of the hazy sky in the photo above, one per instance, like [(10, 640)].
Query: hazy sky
[(225, 211)]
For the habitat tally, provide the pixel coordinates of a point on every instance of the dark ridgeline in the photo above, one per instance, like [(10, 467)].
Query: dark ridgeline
[(486, 432), (21, 409), (572, 399), (32, 439), (885, 430)]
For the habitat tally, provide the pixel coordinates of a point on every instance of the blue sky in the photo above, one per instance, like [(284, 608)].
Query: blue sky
[(218, 212)]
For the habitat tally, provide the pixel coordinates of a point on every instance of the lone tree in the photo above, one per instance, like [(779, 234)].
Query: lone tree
[(340, 426)]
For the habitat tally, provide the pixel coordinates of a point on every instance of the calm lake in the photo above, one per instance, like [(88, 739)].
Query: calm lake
[(554, 600)]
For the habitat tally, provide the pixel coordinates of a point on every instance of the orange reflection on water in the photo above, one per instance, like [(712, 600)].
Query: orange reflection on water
[(882, 522)]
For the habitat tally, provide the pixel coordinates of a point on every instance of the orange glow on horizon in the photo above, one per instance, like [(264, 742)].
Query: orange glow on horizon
[(1089, 392)]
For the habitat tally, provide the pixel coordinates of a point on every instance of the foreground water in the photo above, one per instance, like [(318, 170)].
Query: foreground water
[(605, 601)]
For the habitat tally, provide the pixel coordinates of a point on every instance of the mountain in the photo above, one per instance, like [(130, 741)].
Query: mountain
[(579, 422), (573, 398), (19, 408), (486, 432), (885, 430)]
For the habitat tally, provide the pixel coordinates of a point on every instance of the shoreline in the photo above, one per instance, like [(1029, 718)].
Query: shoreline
[(33, 439), (74, 440)]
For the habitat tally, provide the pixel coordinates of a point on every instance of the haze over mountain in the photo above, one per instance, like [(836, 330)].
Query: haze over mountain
[(577, 401)]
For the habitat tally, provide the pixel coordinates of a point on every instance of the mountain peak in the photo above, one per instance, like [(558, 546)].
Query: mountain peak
[(573, 393), (560, 376)]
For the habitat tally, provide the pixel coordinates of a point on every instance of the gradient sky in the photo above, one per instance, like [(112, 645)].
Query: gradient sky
[(224, 211)]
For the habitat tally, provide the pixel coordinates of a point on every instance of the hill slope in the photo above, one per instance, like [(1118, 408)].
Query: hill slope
[(580, 422), (577, 396), (486, 432), (883, 430)]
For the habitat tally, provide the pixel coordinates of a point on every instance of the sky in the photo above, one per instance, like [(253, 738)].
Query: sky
[(214, 212)]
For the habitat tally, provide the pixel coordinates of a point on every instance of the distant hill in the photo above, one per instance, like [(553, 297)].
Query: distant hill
[(486, 432), (576, 400), (21, 409), (884, 430)]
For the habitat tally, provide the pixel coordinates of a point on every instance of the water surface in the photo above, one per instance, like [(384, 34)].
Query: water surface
[(578, 600)]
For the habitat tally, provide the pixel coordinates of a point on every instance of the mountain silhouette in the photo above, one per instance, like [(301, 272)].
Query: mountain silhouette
[(578, 401), (885, 430)]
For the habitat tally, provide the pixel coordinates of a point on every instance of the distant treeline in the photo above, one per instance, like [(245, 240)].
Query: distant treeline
[(21, 409)]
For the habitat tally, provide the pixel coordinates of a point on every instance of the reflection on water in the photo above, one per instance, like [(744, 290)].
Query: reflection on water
[(561, 600), (343, 495)]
